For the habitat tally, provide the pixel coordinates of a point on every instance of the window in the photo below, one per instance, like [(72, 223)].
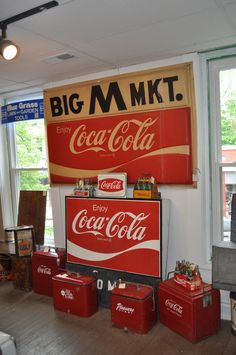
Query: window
[(28, 164), (222, 90)]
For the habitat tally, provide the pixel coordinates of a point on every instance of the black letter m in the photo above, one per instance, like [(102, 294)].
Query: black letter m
[(105, 103)]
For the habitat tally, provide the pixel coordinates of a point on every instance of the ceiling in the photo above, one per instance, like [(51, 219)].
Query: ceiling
[(107, 34)]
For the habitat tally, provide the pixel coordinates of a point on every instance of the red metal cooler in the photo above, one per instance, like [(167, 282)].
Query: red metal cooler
[(192, 314), (133, 307), (76, 294), (46, 264)]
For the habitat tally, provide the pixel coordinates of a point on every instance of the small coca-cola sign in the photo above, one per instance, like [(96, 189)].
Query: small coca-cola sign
[(112, 185)]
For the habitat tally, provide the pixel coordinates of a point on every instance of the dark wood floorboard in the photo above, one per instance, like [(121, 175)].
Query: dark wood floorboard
[(39, 329)]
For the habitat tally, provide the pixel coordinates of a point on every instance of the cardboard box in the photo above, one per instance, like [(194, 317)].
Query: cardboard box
[(23, 239)]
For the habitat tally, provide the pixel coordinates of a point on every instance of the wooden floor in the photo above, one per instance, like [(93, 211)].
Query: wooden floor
[(39, 329)]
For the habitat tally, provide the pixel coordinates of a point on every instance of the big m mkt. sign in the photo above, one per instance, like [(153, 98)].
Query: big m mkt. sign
[(141, 123), (115, 234)]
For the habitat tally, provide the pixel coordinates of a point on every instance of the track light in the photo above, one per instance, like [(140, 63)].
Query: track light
[(8, 49)]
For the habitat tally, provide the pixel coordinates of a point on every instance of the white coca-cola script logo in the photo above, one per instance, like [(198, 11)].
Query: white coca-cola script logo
[(126, 135), (174, 306), (42, 269), (121, 308), (67, 294), (110, 185), (120, 225)]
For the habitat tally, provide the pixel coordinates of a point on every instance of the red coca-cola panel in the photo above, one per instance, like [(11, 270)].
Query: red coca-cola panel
[(114, 234), (156, 143)]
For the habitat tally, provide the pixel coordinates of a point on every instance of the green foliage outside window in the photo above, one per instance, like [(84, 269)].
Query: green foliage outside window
[(228, 106), (31, 154)]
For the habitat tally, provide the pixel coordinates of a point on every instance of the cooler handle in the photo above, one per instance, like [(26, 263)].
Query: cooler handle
[(169, 273), (71, 273), (138, 288)]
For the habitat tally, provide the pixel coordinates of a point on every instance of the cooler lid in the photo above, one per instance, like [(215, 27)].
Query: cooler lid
[(173, 287), (45, 254), (132, 290), (74, 278)]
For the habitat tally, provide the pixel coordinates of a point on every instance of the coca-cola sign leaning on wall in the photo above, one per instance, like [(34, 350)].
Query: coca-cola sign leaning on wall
[(114, 234)]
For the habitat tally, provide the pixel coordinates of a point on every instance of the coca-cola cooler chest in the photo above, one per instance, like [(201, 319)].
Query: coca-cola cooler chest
[(76, 294), (45, 265), (192, 314), (133, 307)]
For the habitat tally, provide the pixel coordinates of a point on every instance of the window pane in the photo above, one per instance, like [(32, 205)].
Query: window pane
[(228, 144), (229, 187), (228, 115), (30, 145), (33, 180)]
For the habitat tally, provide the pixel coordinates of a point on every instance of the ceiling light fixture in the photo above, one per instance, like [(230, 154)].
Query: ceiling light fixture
[(8, 49)]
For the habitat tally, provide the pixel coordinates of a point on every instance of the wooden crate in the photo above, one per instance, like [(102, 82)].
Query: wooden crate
[(22, 272)]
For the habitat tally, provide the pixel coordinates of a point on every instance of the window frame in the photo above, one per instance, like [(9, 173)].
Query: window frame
[(211, 64), (14, 170)]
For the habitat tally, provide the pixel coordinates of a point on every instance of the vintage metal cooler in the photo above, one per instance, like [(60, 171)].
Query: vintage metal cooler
[(133, 307), (46, 264), (192, 314), (76, 294)]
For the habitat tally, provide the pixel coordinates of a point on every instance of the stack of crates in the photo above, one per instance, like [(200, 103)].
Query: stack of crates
[(21, 262)]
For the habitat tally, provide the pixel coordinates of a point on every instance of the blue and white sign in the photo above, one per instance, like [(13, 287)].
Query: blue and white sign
[(22, 111)]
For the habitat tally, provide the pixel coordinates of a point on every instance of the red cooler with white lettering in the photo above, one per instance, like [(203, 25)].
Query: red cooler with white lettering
[(75, 294), (45, 265), (193, 314), (133, 307)]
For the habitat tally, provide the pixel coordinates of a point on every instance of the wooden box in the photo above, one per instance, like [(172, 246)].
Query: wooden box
[(22, 272)]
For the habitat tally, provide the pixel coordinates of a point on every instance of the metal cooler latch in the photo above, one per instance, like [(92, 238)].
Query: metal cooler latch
[(207, 301)]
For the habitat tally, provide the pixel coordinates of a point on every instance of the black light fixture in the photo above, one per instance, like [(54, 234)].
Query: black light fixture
[(8, 49)]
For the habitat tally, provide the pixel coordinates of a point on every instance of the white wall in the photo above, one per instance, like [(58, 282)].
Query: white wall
[(187, 240)]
